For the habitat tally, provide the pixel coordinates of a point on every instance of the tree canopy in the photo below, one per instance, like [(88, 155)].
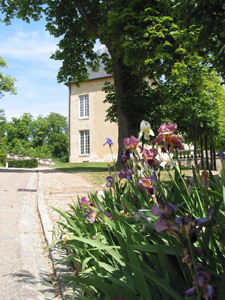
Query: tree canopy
[(136, 34), (207, 19), (144, 39), (40, 137)]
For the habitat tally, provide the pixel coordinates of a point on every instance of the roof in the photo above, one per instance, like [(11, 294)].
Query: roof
[(101, 73)]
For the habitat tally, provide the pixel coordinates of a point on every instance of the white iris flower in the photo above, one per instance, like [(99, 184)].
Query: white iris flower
[(145, 129)]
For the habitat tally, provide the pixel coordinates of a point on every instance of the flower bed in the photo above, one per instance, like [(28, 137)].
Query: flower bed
[(144, 240)]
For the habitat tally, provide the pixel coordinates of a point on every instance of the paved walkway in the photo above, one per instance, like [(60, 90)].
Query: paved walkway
[(25, 272)]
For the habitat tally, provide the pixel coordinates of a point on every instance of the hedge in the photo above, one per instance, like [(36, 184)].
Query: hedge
[(26, 163)]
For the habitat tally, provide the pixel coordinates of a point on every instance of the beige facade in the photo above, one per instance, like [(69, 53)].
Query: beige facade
[(87, 126)]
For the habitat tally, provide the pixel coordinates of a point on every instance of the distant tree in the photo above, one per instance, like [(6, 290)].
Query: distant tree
[(20, 128), (57, 137), (195, 99), (42, 137), (3, 122), (3, 145), (6, 81), (40, 131)]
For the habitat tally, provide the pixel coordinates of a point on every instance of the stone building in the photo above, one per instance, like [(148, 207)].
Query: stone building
[(87, 126)]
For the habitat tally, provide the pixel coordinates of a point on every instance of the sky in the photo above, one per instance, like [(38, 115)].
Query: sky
[(27, 48)]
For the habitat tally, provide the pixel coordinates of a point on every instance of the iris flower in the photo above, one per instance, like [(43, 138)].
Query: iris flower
[(167, 137), (131, 142), (149, 153), (84, 201), (126, 156), (146, 183), (145, 129), (203, 280), (166, 215), (110, 181), (125, 174), (108, 141), (166, 160)]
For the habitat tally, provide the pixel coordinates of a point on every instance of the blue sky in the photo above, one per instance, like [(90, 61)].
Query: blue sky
[(27, 48)]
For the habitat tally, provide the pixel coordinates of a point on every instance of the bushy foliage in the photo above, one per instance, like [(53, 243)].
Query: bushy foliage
[(143, 236), (2, 157), (26, 163), (41, 137)]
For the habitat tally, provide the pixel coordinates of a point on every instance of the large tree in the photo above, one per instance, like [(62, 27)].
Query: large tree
[(141, 36)]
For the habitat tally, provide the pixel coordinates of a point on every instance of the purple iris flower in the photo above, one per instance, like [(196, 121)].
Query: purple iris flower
[(210, 292), (166, 216), (190, 292), (107, 214), (108, 141), (202, 221), (205, 220), (126, 155), (110, 182), (125, 174), (203, 278)]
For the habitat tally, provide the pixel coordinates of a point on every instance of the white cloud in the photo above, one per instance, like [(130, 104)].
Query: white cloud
[(35, 46), (26, 49)]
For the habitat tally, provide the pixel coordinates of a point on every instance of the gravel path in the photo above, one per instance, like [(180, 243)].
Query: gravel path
[(25, 273), (63, 188)]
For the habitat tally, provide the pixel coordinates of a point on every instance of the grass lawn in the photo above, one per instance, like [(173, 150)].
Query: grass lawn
[(97, 172)]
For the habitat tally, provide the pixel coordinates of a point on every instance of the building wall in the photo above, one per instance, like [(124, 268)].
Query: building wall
[(98, 128)]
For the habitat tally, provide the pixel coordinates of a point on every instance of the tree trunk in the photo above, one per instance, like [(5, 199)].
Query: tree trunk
[(206, 153), (211, 157), (123, 120), (195, 151), (214, 158), (202, 154)]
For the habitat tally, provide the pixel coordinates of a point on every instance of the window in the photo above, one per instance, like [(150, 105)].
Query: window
[(84, 142), (84, 106)]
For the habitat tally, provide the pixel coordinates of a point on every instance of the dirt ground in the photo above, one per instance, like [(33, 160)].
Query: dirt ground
[(63, 188)]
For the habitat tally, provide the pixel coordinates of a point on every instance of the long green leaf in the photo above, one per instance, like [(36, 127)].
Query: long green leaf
[(106, 288), (163, 285), (100, 246), (140, 280), (154, 248), (224, 195)]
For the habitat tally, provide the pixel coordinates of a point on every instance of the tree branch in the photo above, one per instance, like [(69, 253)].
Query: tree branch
[(93, 26)]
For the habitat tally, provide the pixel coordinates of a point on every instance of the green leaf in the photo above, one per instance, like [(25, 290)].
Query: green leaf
[(101, 246), (106, 288), (85, 262), (107, 267), (142, 286), (154, 249)]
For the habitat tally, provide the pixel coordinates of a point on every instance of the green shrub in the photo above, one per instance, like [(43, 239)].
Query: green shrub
[(26, 163), (2, 157)]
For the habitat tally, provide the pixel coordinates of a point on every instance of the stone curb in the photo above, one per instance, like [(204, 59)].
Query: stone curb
[(60, 268)]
